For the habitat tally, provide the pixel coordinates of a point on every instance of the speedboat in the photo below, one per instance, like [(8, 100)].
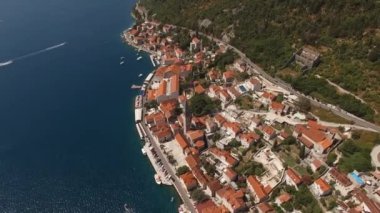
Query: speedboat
[(138, 58), (143, 151), (140, 74), (121, 62)]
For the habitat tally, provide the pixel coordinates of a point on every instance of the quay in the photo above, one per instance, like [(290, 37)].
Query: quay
[(157, 164)]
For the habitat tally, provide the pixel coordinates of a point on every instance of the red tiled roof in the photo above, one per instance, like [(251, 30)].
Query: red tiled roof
[(161, 89), (181, 141), (195, 134), (306, 142), (268, 130), (174, 84), (193, 161), (257, 187), (231, 174), (277, 106), (228, 75), (265, 207), (285, 197), (323, 185), (188, 179), (340, 177), (294, 176), (199, 89)]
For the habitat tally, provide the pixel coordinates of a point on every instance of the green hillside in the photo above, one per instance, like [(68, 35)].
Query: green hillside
[(345, 32)]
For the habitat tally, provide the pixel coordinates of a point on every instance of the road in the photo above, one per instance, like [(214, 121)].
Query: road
[(276, 81), (177, 183)]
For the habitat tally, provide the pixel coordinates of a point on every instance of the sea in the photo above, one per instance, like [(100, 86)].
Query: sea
[(68, 141)]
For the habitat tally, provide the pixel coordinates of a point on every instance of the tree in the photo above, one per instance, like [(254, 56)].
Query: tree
[(182, 170), (331, 158), (304, 104), (198, 195), (202, 105), (302, 152)]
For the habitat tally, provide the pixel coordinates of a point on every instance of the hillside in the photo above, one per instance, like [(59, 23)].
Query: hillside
[(346, 33)]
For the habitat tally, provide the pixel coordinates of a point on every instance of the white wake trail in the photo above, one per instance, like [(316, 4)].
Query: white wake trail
[(2, 64)]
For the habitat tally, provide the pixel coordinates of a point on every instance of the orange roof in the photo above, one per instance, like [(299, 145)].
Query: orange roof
[(214, 185), (323, 185), (234, 126), (200, 144), (325, 144), (234, 198), (161, 89), (220, 119), (306, 142), (222, 154), (314, 125), (277, 106), (210, 207), (257, 187), (254, 81), (224, 94), (198, 174), (228, 75), (265, 207), (181, 141), (249, 137), (314, 135), (199, 89), (195, 134), (192, 160), (151, 95), (317, 164), (182, 98), (213, 74), (189, 179), (268, 95), (168, 107), (231, 174), (284, 198), (174, 84), (294, 176), (340, 177), (268, 130)]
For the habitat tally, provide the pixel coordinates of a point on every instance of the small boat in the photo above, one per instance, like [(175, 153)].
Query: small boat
[(122, 57), (135, 86), (140, 74), (157, 179), (139, 58), (143, 151), (121, 62), (172, 199)]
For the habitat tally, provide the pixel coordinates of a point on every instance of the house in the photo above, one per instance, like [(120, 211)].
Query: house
[(365, 203), (209, 206), (228, 76), (257, 189), (229, 175), (254, 84), (320, 187), (212, 187), (283, 198), (315, 165), (211, 125), (268, 132), (224, 96), (255, 122), (292, 178), (223, 156), (276, 107), (342, 183), (267, 97), (264, 207), (240, 65), (307, 57), (192, 161), (199, 89), (168, 89), (212, 75), (181, 142), (155, 119), (219, 120), (195, 135), (200, 145), (214, 91), (162, 133), (232, 128), (231, 199), (234, 93), (313, 136), (169, 108), (188, 180), (195, 44), (247, 139), (200, 176)]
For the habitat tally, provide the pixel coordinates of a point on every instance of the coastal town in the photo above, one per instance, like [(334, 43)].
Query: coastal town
[(229, 140)]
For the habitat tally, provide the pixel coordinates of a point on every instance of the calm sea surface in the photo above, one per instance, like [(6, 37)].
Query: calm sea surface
[(67, 136)]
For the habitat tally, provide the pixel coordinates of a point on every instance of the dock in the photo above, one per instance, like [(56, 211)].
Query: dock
[(161, 172), (152, 60)]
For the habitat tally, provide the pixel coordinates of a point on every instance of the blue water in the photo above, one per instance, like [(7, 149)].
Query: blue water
[(67, 137)]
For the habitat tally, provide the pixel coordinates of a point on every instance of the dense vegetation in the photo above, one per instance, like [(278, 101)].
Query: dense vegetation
[(202, 105), (345, 32), (354, 157)]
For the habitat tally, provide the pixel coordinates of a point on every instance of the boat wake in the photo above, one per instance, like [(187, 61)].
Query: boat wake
[(6, 63)]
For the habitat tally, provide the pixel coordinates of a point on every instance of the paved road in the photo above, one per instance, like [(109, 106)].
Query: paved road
[(177, 183), (336, 110)]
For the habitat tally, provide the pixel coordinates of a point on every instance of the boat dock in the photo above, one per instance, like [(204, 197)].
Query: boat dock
[(152, 60), (157, 165)]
